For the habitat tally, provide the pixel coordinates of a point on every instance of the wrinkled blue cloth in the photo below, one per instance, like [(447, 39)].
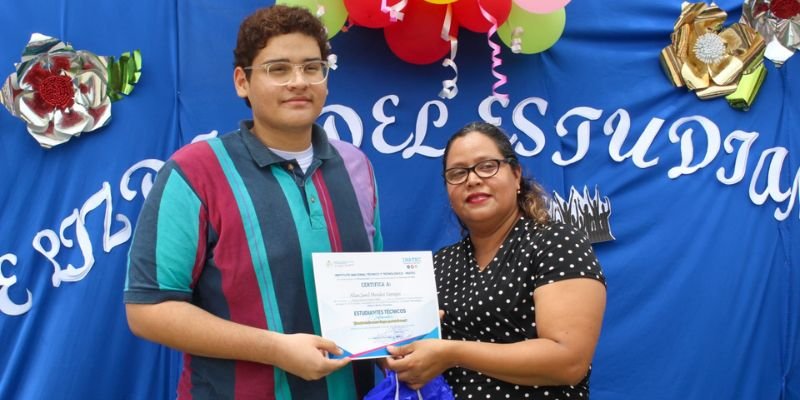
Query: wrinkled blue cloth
[(392, 389)]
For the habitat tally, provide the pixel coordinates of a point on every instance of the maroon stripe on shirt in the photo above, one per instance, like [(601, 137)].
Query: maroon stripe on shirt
[(244, 302), (327, 210)]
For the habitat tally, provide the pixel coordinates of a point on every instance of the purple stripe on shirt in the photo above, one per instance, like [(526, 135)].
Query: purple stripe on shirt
[(360, 172)]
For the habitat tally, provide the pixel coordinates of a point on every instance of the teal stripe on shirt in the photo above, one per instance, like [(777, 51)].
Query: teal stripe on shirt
[(313, 236), (311, 229), (177, 235), (258, 253)]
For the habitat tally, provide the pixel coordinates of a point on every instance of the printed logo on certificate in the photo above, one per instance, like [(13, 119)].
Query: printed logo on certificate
[(368, 301)]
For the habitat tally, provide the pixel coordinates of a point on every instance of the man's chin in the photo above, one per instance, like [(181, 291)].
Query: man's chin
[(302, 116), (292, 120)]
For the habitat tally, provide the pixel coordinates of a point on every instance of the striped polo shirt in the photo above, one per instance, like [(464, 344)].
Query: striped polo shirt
[(230, 227)]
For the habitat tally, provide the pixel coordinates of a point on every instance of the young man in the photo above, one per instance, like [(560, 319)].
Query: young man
[(220, 264)]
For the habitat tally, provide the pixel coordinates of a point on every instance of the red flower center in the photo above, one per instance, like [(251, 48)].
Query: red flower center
[(57, 91), (785, 9)]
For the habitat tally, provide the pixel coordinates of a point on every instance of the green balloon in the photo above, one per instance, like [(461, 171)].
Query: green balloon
[(335, 12), (539, 31)]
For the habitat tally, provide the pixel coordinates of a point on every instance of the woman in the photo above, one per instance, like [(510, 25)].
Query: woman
[(522, 296)]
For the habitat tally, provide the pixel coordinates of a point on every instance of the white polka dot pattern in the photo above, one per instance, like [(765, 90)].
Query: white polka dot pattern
[(496, 305)]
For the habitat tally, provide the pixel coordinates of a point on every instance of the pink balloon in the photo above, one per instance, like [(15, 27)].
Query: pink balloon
[(541, 6)]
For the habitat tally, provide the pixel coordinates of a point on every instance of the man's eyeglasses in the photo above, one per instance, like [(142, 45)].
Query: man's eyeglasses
[(282, 73), (484, 169)]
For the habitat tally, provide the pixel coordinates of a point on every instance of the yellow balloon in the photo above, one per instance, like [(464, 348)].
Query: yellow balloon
[(335, 12), (539, 32), (441, 1)]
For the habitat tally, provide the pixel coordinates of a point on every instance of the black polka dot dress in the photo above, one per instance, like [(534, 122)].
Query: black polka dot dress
[(496, 305)]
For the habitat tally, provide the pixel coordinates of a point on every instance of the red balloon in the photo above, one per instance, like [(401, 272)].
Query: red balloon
[(368, 12), (469, 15), (417, 39)]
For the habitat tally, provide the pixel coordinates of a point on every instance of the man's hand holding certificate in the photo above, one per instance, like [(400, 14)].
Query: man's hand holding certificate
[(368, 301)]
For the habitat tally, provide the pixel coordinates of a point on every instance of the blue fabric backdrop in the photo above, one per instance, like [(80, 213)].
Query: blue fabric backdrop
[(703, 276)]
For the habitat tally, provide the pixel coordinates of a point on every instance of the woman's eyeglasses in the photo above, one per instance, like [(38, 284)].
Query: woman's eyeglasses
[(483, 169)]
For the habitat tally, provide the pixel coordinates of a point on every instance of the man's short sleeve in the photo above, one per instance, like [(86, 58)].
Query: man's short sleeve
[(168, 243)]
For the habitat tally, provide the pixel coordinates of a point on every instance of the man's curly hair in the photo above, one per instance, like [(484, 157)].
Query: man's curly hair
[(259, 27)]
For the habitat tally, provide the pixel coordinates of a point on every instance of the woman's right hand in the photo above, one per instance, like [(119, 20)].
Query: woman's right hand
[(419, 362)]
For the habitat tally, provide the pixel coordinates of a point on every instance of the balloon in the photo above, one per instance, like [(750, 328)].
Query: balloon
[(540, 31), (334, 17), (368, 12), (417, 39), (335, 13), (469, 15), (441, 1), (541, 6)]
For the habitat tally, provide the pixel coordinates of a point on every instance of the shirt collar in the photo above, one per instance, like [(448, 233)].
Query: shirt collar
[(263, 156)]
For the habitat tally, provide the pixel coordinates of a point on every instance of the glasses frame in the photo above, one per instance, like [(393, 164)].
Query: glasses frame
[(302, 66), (473, 169)]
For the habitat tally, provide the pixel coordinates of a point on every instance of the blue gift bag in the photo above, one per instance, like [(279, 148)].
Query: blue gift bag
[(392, 389)]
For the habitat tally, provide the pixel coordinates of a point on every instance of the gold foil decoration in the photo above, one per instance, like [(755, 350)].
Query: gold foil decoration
[(710, 60)]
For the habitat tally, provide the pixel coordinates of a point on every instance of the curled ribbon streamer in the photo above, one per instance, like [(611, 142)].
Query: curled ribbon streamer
[(348, 25), (496, 60), (320, 13), (396, 11), (449, 87), (516, 40), (332, 58)]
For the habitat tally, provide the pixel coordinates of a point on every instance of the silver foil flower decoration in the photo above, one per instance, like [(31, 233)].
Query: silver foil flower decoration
[(60, 92), (778, 21)]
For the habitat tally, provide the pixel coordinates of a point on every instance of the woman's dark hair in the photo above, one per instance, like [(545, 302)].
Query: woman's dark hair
[(531, 199), (259, 27)]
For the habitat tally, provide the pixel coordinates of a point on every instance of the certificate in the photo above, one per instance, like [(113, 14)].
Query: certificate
[(368, 301)]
